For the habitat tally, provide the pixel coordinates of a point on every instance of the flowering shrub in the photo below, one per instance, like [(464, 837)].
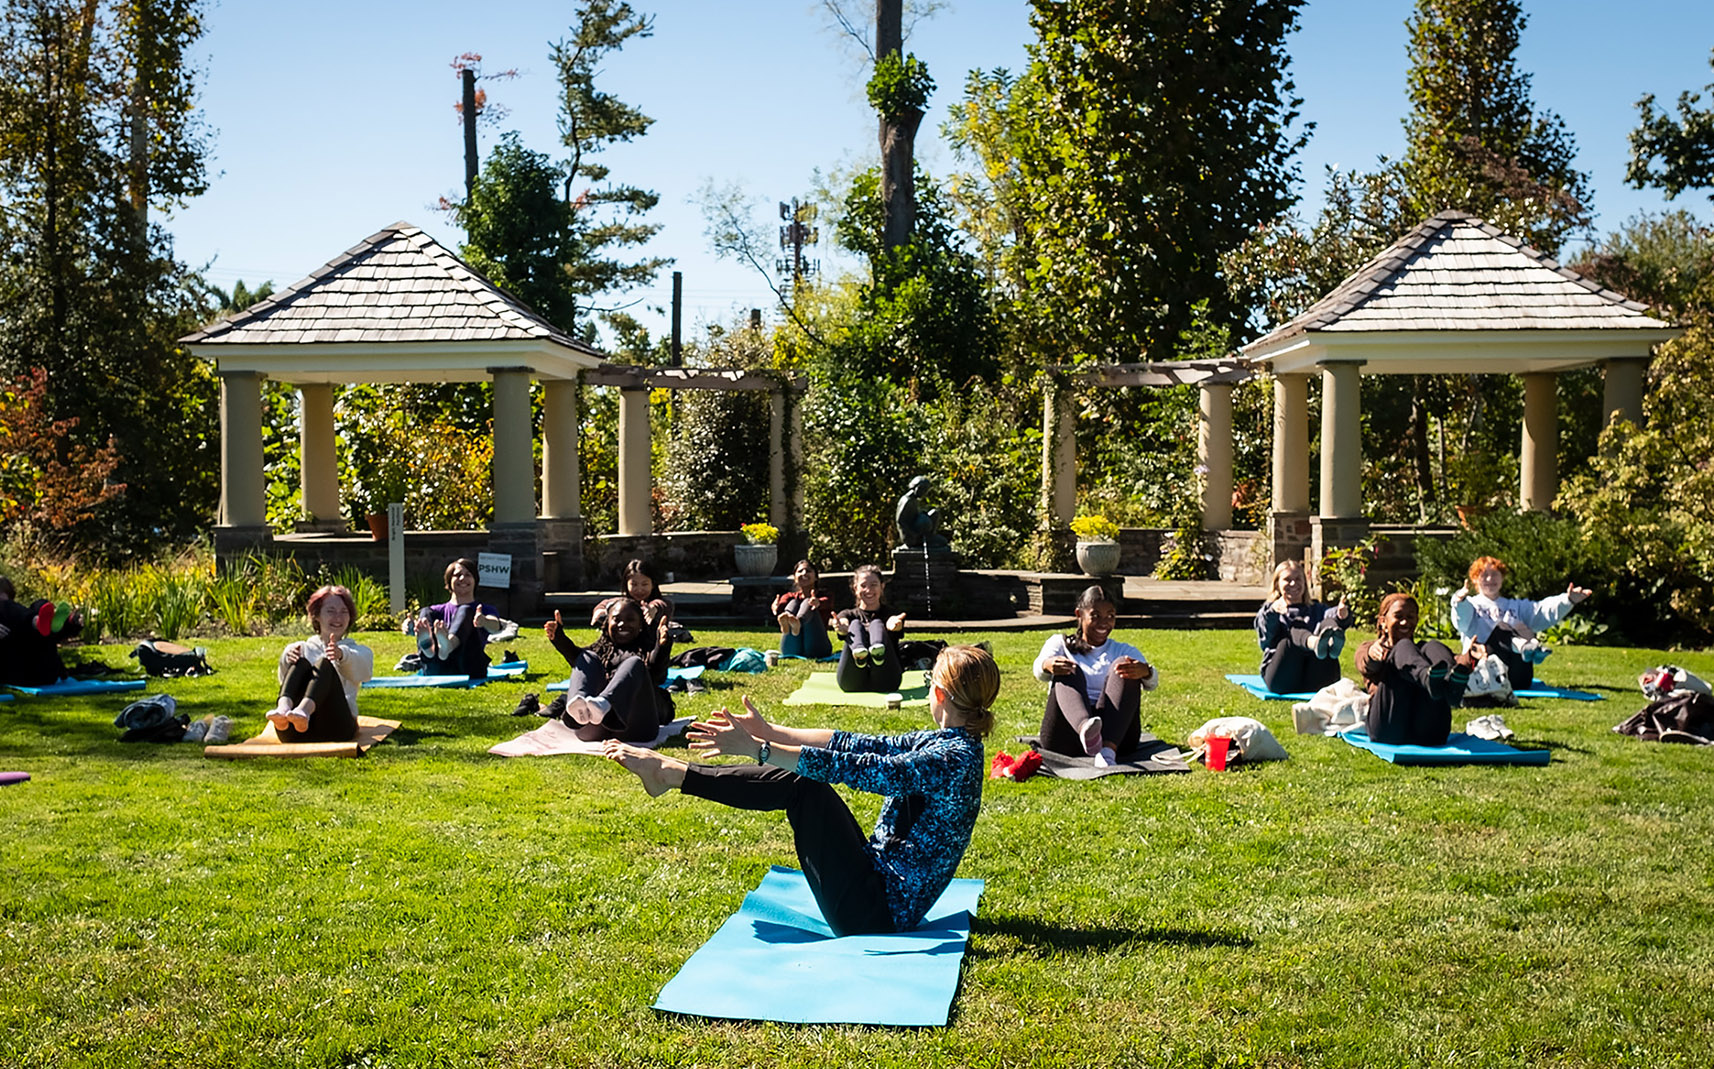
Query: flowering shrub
[(1095, 528), (760, 534)]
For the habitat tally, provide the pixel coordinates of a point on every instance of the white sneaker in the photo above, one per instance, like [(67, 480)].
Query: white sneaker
[(1090, 733), (219, 731)]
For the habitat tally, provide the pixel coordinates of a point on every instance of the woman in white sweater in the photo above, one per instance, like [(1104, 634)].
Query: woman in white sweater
[(319, 676), (1095, 684), (1509, 627)]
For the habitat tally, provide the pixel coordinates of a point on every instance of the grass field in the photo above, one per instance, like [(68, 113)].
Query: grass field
[(429, 904)]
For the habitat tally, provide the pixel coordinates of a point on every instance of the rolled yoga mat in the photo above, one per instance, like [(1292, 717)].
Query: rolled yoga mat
[(776, 960), (509, 670)]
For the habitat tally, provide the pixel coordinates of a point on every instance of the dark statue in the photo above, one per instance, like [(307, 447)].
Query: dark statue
[(919, 526)]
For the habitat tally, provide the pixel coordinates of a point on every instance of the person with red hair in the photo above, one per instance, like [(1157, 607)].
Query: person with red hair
[(319, 676), (1509, 627)]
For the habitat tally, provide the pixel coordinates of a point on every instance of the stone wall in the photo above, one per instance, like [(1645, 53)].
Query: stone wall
[(688, 555)]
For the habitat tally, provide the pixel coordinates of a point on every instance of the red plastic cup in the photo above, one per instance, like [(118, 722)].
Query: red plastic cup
[(1217, 745)]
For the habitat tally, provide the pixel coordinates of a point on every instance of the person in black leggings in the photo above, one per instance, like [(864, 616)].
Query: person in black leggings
[(615, 690), (319, 676), (869, 660), (1412, 688), (931, 779)]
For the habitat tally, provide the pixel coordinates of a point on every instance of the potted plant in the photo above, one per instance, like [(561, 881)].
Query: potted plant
[(759, 551), (1097, 544), (1477, 482)]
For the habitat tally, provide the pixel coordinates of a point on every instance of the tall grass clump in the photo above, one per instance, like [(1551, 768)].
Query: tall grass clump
[(174, 599)]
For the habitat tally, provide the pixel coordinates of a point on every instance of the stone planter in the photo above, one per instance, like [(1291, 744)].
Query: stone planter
[(1098, 558), (756, 560)]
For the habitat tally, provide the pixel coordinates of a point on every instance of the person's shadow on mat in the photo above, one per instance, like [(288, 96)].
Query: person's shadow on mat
[(1042, 938), (950, 946)]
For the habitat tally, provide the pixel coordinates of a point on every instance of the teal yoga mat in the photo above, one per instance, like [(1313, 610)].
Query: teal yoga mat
[(672, 674), (822, 688), (509, 670), (68, 687), (1542, 690), (776, 960), (1460, 749), (1254, 685)]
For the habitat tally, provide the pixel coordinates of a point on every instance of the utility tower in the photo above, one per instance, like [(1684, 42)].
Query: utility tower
[(797, 231)]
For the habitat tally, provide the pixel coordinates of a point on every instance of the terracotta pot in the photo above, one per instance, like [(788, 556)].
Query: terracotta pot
[(756, 560), (378, 525), (1098, 558)]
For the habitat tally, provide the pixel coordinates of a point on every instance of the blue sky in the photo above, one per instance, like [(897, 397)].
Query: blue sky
[(332, 120)]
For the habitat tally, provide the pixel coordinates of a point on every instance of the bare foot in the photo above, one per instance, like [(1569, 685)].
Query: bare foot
[(659, 774)]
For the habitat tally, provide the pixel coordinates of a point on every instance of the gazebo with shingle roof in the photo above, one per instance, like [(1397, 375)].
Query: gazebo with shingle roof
[(400, 307), (1455, 295)]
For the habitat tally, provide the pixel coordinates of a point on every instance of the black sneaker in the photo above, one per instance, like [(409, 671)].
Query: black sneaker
[(555, 710), (528, 705)]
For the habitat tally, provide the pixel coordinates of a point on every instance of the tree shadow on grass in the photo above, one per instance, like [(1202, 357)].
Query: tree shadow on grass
[(1043, 939)]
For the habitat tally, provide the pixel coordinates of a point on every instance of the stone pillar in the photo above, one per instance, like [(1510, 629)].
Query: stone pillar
[(1622, 390), (318, 462), (794, 430), (1538, 456), (1058, 453), (1341, 440), (1214, 454), (514, 466), (243, 496), (777, 506), (634, 474), (1291, 444), (562, 483)]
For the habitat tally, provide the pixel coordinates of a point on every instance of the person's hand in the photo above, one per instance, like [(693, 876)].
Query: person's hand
[(334, 653), (1343, 611), (720, 736), (662, 628), (897, 623), (1577, 593), (1131, 668), (483, 620), (1061, 666), (1460, 594), (1478, 650), (554, 626), (1280, 605), (294, 653)]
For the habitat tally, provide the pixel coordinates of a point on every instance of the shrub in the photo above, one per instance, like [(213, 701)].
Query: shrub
[(1095, 527)]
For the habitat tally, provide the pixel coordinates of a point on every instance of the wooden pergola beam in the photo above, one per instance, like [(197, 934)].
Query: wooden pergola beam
[(1159, 373), (632, 377)]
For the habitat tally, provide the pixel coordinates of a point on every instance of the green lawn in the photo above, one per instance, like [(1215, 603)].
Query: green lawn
[(431, 905)]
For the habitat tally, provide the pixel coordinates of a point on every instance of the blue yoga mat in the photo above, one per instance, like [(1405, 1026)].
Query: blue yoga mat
[(1254, 685), (776, 960), (1460, 749), (1541, 690), (68, 687), (509, 670), (672, 674)]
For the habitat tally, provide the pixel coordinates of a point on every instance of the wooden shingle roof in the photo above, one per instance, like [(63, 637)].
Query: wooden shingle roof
[(1456, 272), (398, 285)]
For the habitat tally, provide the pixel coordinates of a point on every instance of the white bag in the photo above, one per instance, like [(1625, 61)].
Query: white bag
[(1251, 738), (1335, 709)]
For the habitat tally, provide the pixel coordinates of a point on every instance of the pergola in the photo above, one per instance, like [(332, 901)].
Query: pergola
[(1456, 296), (400, 307)]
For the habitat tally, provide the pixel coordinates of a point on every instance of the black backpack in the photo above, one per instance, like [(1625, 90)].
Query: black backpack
[(169, 659)]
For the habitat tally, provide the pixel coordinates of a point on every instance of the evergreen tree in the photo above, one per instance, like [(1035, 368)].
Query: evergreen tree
[(1474, 138), (518, 229), (1151, 138), (97, 126)]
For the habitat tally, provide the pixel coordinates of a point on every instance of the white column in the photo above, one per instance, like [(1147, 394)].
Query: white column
[(634, 474), (318, 461), (1291, 443), (1058, 453), (562, 482), (514, 462), (1341, 441), (777, 458), (243, 499), (1214, 453), (1622, 390), (1538, 456)]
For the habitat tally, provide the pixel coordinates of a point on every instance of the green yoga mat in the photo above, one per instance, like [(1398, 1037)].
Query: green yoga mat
[(822, 688)]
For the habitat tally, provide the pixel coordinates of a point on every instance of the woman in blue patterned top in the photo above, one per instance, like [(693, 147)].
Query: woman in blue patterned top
[(932, 782)]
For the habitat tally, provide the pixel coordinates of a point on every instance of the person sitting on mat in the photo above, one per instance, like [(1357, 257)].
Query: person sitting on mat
[(642, 587), (1412, 688), (869, 660), (452, 636), (30, 636), (931, 781), (319, 676), (1095, 684), (1508, 626), (1300, 639), (804, 614), (616, 682)]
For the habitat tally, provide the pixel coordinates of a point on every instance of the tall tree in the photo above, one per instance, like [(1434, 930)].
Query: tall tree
[(97, 127), (898, 91), (1474, 138), (1152, 136), (603, 216), (1675, 156), (518, 227)]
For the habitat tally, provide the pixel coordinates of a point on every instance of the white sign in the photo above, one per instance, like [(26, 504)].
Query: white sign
[(494, 570)]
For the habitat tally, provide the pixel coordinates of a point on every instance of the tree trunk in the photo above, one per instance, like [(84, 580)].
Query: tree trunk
[(468, 107), (898, 139)]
